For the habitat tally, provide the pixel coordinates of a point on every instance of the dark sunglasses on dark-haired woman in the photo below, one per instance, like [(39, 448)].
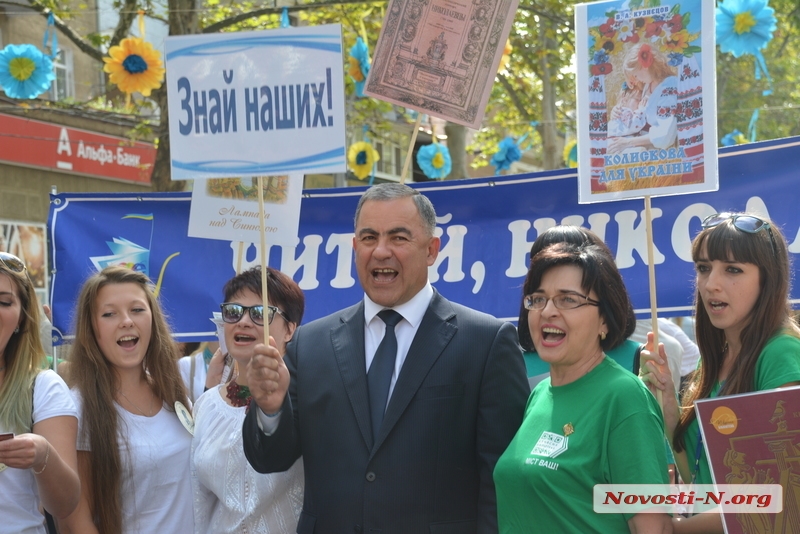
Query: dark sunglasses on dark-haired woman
[(749, 224), (233, 313)]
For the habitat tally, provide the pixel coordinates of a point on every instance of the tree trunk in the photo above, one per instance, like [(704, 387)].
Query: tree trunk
[(550, 152), (182, 21), (457, 145), (161, 178)]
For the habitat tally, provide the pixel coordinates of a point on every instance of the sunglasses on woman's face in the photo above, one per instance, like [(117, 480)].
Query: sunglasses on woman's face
[(12, 262), (233, 313), (749, 224)]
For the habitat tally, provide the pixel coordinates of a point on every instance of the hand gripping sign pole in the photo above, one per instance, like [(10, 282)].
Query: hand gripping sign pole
[(642, 128)]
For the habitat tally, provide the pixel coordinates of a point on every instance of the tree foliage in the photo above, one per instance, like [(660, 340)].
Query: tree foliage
[(534, 94)]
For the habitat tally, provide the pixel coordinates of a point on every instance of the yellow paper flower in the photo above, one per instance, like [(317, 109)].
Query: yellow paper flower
[(362, 157), (506, 58), (134, 66)]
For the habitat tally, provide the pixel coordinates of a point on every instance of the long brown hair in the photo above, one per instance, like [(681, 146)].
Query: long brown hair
[(24, 357), (771, 313), (97, 383)]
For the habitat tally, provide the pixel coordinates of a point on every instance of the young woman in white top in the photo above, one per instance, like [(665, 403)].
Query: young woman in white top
[(230, 496), (126, 382), (38, 419)]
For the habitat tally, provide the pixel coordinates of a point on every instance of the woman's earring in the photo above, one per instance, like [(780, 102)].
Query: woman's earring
[(602, 336), (16, 330)]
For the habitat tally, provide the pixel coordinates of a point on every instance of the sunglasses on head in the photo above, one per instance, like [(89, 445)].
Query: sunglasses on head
[(749, 224), (12, 262), (233, 313)]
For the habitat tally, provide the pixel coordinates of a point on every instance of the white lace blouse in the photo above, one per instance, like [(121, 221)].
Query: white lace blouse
[(229, 495)]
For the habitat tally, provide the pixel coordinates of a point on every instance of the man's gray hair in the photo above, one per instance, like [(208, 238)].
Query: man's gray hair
[(391, 191)]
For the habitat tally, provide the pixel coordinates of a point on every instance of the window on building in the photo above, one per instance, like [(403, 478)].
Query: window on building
[(379, 166), (64, 84), (398, 163)]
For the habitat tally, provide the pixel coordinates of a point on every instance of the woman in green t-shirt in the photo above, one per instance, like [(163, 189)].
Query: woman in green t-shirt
[(591, 421), (747, 338)]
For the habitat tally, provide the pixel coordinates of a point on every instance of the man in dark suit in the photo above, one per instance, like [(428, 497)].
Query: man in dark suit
[(455, 381)]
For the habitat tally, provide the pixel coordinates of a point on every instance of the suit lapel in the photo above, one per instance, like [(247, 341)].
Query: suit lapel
[(434, 333), (348, 347)]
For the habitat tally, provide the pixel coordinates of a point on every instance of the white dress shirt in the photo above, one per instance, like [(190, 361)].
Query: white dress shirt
[(374, 328)]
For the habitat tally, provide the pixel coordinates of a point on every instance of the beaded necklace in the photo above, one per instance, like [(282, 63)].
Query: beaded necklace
[(238, 395)]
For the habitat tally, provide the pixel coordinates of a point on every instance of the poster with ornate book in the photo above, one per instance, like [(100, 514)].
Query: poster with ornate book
[(645, 84), (440, 57), (754, 438)]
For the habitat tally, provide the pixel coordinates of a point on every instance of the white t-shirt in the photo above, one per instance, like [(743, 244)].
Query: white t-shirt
[(156, 483), (19, 495), (229, 495)]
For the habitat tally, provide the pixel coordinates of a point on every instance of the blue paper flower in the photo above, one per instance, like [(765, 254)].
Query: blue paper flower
[(359, 65), (744, 26), (25, 72), (434, 160), (508, 152)]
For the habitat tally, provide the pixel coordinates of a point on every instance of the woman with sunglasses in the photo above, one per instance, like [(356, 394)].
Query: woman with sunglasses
[(38, 419), (592, 421), (230, 496), (133, 449), (747, 338)]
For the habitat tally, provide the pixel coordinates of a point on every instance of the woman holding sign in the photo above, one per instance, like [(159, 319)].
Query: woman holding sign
[(38, 419), (591, 422), (747, 338), (133, 448), (230, 496)]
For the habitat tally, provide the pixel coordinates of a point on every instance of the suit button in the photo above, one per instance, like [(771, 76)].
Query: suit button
[(370, 477), (357, 529)]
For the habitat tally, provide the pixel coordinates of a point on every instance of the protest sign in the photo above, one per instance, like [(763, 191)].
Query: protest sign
[(643, 77), (256, 103), (753, 439), (440, 57), (227, 209)]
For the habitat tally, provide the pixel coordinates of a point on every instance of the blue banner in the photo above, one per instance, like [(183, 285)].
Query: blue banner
[(487, 227)]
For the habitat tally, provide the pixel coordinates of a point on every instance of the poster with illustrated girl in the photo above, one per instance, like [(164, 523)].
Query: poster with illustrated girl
[(645, 68)]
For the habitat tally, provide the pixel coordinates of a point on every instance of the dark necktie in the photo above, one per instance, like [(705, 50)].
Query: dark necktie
[(379, 377)]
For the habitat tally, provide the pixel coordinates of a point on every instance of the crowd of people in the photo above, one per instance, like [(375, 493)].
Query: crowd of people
[(403, 413)]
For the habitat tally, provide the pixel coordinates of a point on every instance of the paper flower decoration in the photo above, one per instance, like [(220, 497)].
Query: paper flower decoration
[(733, 138), (134, 66), (744, 26), (507, 153), (25, 72), (434, 160), (361, 157), (359, 65), (571, 154), (506, 58)]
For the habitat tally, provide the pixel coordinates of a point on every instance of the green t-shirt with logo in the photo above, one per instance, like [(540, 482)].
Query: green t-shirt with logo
[(778, 364), (544, 480)]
